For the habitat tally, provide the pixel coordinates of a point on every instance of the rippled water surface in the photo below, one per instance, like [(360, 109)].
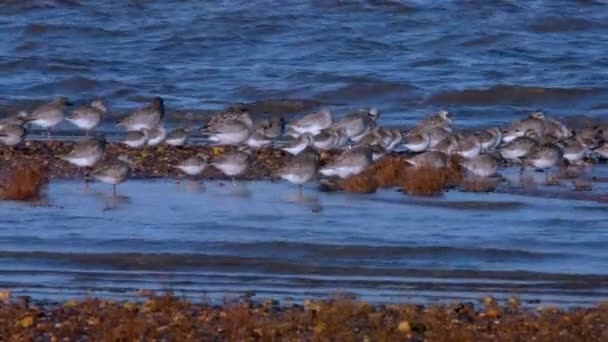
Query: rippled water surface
[(487, 61), (263, 239)]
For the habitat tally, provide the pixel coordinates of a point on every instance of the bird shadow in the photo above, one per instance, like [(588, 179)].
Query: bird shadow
[(299, 198)]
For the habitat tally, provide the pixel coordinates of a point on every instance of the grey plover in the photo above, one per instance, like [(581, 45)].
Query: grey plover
[(11, 135), (49, 115), (88, 117), (147, 117), (227, 132), (417, 141), (156, 135), (351, 162), (312, 123), (86, 153), (301, 169), (359, 123), (113, 172), (297, 145), (136, 139), (432, 159), (177, 137), (194, 165), (272, 128), (233, 163), (483, 165)]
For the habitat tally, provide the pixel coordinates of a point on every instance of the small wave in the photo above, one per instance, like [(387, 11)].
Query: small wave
[(555, 24), (513, 95), (367, 90)]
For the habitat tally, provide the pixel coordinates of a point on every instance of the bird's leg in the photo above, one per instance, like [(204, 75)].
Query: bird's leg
[(48, 133), (114, 190), (86, 132)]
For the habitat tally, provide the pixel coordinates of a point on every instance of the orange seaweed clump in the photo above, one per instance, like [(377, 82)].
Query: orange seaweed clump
[(363, 183), (23, 183), (389, 171), (425, 181)]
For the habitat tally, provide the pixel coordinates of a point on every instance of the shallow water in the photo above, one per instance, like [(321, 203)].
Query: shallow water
[(488, 61), (263, 239)]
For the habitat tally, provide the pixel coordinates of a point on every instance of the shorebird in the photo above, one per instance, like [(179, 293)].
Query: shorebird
[(432, 159), (390, 138), (227, 132), (136, 139), (301, 169), (351, 162), (359, 123), (88, 117), (448, 145), (441, 118), (113, 172), (535, 122), (557, 129), (272, 128), (574, 149), (48, 115), (436, 134), (312, 123), (602, 150), (194, 165), (86, 153), (147, 117), (11, 135), (156, 135), (417, 141), (234, 163), (257, 140), (177, 137), (489, 138), (231, 115), (295, 146), (469, 147), (515, 149), (592, 136), (483, 165), (543, 157), (14, 120), (325, 140)]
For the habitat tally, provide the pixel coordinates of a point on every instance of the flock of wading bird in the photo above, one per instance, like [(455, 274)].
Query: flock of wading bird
[(536, 141)]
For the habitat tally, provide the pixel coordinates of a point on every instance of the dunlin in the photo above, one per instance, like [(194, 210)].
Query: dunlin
[(113, 172), (227, 132), (156, 135), (448, 145), (357, 124), (136, 139), (48, 115), (557, 129), (272, 128), (325, 140), (432, 159), (574, 149), (295, 146), (417, 141), (490, 139), (88, 117), (257, 140), (234, 163), (515, 149), (312, 123), (194, 165), (483, 165), (11, 135), (351, 162), (301, 169), (543, 157), (535, 122), (592, 136), (437, 134), (14, 120), (86, 153), (602, 150), (390, 138), (469, 147), (177, 137), (146, 117)]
